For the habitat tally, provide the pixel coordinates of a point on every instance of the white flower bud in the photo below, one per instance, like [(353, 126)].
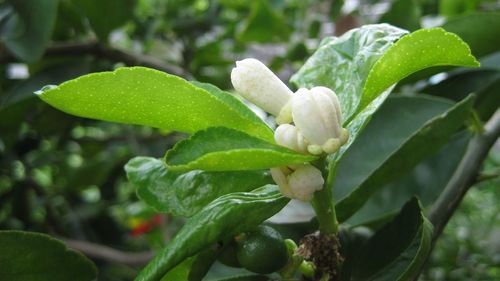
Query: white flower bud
[(258, 84), (299, 184), (317, 115), (288, 136), (280, 175)]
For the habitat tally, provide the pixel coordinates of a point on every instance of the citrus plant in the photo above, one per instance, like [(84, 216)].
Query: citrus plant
[(346, 167), (235, 171)]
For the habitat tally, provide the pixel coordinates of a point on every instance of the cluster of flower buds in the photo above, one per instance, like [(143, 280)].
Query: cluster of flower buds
[(310, 122)]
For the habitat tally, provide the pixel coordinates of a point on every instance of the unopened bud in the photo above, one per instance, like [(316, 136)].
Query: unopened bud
[(300, 183), (259, 85), (317, 115), (288, 136)]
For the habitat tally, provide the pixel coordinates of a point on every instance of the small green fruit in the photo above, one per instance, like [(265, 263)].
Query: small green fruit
[(262, 251)]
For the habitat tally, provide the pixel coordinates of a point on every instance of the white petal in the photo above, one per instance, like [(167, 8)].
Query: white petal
[(309, 118), (304, 181), (279, 175), (316, 116), (288, 136), (327, 114), (335, 100), (258, 84)]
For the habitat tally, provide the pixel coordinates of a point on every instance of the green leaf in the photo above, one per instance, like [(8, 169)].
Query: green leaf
[(264, 25), (105, 16), (342, 64), (224, 149), (231, 101), (426, 181), (28, 256), (401, 135), (193, 268), (181, 271), (403, 13), (419, 50), (488, 102), (478, 30), (397, 251), (203, 263), (336, 9), (456, 7), (223, 218), (246, 278), (29, 31), (184, 194), (143, 96)]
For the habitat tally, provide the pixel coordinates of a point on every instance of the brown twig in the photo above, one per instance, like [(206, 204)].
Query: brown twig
[(101, 51), (109, 254)]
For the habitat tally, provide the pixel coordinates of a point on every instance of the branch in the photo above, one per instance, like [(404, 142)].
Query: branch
[(462, 179), (101, 51), (465, 175), (106, 253)]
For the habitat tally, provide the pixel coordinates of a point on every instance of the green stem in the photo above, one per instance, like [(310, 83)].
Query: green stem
[(307, 269), (323, 203)]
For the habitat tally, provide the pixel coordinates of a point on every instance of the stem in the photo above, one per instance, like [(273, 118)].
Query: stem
[(106, 253), (106, 52), (463, 178), (323, 205)]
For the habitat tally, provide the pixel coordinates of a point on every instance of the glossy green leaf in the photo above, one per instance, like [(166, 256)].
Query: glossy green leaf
[(403, 13), (29, 256), (231, 101), (479, 30), (193, 268), (184, 194), (143, 96), (224, 217), (426, 181), (203, 263), (181, 271), (347, 58), (397, 251), (264, 24), (105, 16), (28, 33), (224, 149), (404, 133), (419, 50)]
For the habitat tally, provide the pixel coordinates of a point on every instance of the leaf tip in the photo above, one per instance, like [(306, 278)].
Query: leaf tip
[(45, 89)]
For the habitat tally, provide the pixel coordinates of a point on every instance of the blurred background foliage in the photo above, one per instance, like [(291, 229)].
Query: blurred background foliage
[(64, 176)]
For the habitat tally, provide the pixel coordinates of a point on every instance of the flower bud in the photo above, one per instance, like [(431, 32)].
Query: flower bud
[(288, 136), (259, 85), (300, 183), (317, 115)]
